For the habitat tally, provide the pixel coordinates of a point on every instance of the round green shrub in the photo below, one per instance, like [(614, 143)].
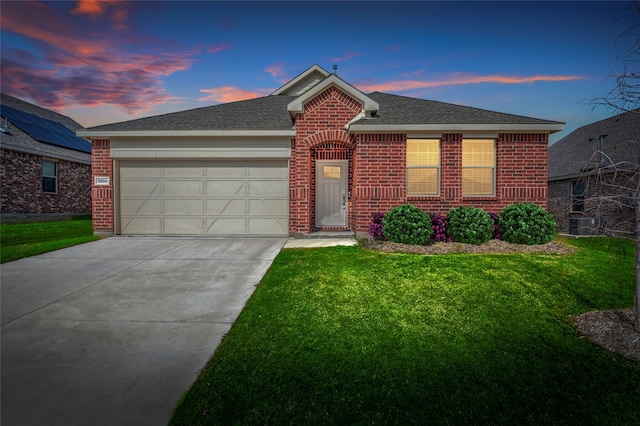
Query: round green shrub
[(526, 223), (407, 224), (469, 225)]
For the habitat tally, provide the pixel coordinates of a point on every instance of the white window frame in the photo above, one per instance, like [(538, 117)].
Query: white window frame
[(437, 168), (493, 167)]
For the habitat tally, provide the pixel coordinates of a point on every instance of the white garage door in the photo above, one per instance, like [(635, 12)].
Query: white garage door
[(204, 197)]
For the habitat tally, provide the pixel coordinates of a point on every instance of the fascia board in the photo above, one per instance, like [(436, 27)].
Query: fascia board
[(97, 134), (368, 104), (403, 128), (302, 76)]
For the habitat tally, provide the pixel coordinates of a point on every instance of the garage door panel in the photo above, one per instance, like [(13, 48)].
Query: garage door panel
[(268, 226), (183, 187), (269, 188), (225, 169), (204, 197), (139, 169), (226, 187), (142, 225), (141, 206), (182, 225), (227, 207), (268, 207), (227, 226), (183, 207), (182, 169), (141, 188), (269, 170)]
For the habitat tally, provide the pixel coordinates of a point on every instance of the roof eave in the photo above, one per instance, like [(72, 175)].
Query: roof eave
[(401, 128), (97, 134)]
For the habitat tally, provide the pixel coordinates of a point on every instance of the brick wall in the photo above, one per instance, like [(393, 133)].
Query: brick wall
[(322, 122), (102, 196), (21, 175), (380, 175)]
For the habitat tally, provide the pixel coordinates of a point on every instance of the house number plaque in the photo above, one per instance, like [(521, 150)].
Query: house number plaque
[(101, 180)]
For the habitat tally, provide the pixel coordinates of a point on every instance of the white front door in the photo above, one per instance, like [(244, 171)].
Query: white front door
[(331, 193)]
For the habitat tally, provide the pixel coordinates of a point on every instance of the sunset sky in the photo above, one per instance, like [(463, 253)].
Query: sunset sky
[(109, 61)]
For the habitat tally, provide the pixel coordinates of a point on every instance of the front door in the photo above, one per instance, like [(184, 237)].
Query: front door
[(331, 194)]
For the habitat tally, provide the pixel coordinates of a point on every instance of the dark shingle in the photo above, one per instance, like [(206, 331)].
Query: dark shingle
[(569, 155), (266, 113), (397, 110)]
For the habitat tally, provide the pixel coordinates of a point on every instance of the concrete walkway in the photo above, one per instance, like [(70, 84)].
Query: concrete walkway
[(113, 332)]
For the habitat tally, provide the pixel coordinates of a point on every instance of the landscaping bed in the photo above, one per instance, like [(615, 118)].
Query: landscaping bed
[(491, 246)]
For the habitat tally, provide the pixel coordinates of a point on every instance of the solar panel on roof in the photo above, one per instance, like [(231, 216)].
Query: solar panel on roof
[(44, 130)]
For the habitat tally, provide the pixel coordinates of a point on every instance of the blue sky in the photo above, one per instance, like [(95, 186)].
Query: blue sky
[(108, 61)]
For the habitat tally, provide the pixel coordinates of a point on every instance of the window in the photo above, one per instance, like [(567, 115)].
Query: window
[(49, 176), (577, 196), (331, 172), (423, 166), (478, 167)]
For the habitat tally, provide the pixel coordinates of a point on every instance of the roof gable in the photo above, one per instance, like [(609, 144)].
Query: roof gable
[(369, 106), (303, 82)]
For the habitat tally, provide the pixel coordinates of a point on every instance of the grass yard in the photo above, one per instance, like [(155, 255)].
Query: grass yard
[(348, 336), (19, 240)]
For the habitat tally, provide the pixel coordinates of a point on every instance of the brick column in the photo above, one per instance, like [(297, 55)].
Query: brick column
[(102, 195)]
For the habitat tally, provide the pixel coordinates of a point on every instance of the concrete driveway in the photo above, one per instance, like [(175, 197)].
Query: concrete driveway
[(113, 332)]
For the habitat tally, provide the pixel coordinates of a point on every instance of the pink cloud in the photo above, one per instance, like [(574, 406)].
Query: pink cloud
[(231, 94), (76, 67), (460, 79), (97, 8), (278, 72), (217, 48), (92, 7), (347, 56)]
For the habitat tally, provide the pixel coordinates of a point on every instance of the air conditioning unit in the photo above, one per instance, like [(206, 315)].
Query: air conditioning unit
[(582, 225)]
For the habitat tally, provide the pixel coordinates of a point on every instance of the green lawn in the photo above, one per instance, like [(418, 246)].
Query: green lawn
[(18, 240), (348, 336)]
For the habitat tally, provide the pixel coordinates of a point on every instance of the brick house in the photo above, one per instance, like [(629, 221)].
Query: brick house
[(317, 154), (591, 163), (45, 167)]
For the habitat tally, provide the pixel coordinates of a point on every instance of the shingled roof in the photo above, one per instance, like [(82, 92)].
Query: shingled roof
[(18, 139), (395, 109), (384, 112), (621, 142), (266, 113), (27, 107)]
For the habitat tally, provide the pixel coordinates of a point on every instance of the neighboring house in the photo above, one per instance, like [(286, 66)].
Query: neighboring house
[(589, 184), (317, 154), (45, 167)]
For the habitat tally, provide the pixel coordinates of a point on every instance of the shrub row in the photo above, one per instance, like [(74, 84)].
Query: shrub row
[(520, 223)]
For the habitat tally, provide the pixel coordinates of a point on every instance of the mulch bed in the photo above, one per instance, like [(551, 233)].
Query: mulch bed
[(612, 330), (491, 246)]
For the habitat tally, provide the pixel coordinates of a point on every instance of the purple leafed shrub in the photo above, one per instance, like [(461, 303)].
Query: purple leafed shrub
[(375, 227), (439, 227), (496, 225)]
